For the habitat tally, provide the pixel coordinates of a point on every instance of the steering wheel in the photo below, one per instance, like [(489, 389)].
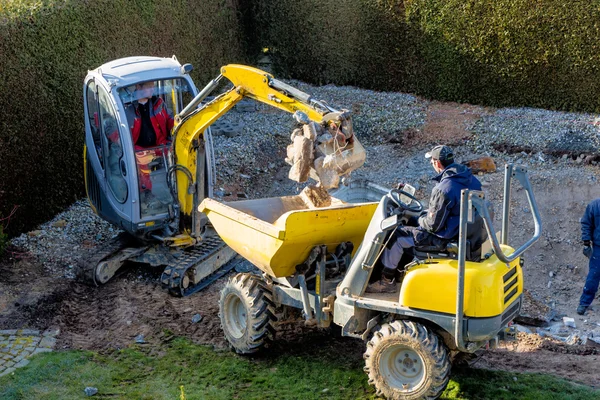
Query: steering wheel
[(414, 206)]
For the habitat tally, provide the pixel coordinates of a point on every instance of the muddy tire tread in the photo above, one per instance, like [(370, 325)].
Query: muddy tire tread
[(422, 340), (260, 313)]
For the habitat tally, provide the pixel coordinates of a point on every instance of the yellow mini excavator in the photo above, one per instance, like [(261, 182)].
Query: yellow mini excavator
[(153, 193)]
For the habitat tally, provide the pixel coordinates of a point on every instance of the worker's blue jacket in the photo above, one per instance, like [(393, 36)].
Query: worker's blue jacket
[(590, 222), (443, 217)]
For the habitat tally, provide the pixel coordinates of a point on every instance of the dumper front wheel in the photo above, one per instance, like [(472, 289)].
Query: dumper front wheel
[(246, 313), (405, 360)]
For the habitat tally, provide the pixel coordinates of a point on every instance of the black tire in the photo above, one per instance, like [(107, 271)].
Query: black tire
[(246, 312), (405, 360)]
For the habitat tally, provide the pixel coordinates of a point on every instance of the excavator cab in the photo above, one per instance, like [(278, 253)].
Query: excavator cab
[(127, 182), (155, 196)]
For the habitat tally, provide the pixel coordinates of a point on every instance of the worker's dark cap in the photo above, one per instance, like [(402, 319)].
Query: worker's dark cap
[(442, 153)]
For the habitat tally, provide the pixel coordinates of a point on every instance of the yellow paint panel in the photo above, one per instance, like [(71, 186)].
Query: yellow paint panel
[(433, 286)]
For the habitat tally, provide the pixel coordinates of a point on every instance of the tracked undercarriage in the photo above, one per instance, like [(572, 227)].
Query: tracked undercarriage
[(186, 270)]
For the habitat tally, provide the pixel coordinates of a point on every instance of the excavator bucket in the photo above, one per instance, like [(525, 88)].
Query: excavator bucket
[(325, 153)]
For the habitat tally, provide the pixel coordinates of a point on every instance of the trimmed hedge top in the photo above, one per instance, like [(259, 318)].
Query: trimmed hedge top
[(540, 53)]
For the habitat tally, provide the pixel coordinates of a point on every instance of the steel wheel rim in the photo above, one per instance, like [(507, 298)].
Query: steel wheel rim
[(403, 368), (235, 316), (101, 275), (187, 278)]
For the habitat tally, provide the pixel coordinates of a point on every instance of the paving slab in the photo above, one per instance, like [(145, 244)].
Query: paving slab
[(17, 345), (48, 342), (7, 371)]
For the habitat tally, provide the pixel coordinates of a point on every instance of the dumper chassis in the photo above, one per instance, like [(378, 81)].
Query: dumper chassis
[(445, 306)]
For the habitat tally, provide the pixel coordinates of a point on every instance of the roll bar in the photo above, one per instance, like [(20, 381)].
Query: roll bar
[(520, 173), (474, 199)]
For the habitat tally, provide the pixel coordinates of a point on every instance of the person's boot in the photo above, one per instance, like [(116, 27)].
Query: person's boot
[(384, 285), (581, 309)]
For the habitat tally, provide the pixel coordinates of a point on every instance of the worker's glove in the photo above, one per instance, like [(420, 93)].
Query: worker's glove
[(587, 251)]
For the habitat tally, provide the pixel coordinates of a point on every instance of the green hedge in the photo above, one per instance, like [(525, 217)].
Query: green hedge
[(543, 53), (48, 46)]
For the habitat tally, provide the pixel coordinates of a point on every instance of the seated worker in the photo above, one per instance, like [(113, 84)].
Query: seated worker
[(438, 225), (150, 126), (152, 123)]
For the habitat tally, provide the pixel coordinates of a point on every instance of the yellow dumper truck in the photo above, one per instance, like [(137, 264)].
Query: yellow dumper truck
[(450, 302)]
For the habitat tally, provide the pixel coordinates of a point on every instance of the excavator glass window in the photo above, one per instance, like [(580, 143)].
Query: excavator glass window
[(155, 196), (151, 161), (114, 155), (175, 93), (93, 116)]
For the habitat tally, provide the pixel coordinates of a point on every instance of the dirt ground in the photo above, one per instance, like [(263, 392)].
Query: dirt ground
[(134, 304)]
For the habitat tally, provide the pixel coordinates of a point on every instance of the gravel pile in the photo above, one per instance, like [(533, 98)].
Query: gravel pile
[(539, 130), (256, 150), (376, 115), (58, 243)]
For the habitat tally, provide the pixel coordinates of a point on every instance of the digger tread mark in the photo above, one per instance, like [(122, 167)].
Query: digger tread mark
[(86, 265), (174, 274)]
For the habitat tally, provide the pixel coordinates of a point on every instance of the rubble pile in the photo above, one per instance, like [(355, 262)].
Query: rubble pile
[(566, 331), (316, 196), (324, 154)]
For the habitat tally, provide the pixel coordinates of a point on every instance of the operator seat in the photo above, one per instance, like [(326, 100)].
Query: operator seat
[(476, 237)]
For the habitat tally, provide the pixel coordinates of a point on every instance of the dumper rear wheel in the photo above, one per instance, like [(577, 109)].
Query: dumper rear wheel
[(246, 311), (405, 360)]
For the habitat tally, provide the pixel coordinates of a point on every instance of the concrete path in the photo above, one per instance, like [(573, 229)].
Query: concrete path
[(16, 346)]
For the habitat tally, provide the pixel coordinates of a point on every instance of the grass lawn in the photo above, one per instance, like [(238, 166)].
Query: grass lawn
[(203, 373)]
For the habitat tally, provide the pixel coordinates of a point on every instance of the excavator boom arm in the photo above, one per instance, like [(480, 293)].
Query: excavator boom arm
[(247, 82)]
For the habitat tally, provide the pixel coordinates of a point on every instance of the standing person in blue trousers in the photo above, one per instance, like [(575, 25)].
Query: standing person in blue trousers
[(590, 235)]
